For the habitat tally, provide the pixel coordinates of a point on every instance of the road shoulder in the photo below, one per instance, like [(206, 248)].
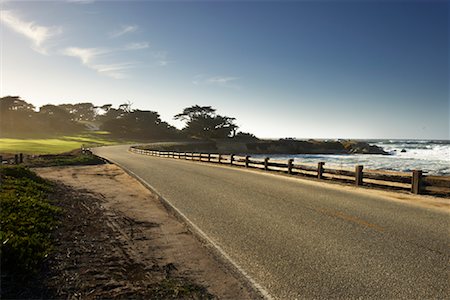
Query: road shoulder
[(148, 240)]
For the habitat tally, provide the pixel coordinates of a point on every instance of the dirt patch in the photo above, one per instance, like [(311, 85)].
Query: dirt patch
[(118, 241)]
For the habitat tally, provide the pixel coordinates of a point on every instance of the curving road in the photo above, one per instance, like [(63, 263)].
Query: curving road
[(301, 239)]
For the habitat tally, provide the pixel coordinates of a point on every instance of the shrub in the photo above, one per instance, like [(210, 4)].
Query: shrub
[(65, 160)]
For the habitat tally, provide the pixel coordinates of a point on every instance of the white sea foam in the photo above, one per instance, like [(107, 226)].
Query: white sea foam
[(432, 157)]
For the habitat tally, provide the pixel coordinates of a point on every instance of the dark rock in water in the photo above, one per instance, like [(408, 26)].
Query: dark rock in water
[(355, 147), (403, 150)]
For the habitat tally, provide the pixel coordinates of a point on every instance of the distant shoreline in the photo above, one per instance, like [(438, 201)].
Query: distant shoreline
[(285, 146)]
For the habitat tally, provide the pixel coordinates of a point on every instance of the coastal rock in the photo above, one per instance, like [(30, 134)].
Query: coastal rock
[(284, 146), (357, 147)]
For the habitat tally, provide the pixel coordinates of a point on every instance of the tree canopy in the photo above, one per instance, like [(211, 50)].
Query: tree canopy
[(139, 124), (18, 118), (203, 122)]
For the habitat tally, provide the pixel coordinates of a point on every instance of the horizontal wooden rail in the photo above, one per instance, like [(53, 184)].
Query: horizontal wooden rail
[(415, 181)]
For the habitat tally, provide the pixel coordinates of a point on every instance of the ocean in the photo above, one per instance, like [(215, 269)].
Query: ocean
[(430, 156)]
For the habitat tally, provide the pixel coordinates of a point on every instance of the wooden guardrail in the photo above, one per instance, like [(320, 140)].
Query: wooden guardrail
[(18, 159), (415, 181)]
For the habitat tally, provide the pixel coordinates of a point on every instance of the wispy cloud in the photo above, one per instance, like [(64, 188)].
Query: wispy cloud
[(223, 81), (90, 57), (124, 29), (115, 71), (137, 46), (81, 1), (86, 55), (39, 35), (161, 58)]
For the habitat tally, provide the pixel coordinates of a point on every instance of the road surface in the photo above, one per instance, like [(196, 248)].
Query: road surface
[(301, 239)]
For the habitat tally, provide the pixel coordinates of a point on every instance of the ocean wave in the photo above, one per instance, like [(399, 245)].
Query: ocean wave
[(430, 157)]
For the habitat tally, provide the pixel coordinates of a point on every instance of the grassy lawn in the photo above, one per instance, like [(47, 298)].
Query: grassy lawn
[(53, 145)]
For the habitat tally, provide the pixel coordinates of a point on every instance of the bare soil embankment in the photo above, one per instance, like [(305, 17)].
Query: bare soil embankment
[(118, 241)]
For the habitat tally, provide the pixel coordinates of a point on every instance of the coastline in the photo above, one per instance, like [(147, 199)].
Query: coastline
[(285, 146)]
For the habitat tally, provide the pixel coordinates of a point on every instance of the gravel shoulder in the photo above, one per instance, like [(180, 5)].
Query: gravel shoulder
[(118, 241)]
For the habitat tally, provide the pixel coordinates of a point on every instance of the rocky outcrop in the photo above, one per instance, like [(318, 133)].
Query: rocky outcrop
[(313, 147), (355, 147), (288, 146)]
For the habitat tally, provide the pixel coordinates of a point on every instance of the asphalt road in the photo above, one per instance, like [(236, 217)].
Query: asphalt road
[(300, 239)]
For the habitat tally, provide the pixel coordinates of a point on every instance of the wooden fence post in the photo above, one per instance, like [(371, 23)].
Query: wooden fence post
[(416, 183), (246, 160), (1, 159), (20, 157), (320, 169), (209, 157), (266, 163), (231, 159), (290, 161), (359, 175), (16, 159), (220, 158)]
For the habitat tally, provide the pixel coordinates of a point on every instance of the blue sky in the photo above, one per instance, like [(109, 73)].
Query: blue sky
[(305, 69)]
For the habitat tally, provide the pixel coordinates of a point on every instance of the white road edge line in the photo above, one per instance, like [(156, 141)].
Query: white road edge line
[(200, 232)]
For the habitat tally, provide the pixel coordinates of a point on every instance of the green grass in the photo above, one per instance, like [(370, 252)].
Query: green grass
[(54, 145), (27, 219)]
